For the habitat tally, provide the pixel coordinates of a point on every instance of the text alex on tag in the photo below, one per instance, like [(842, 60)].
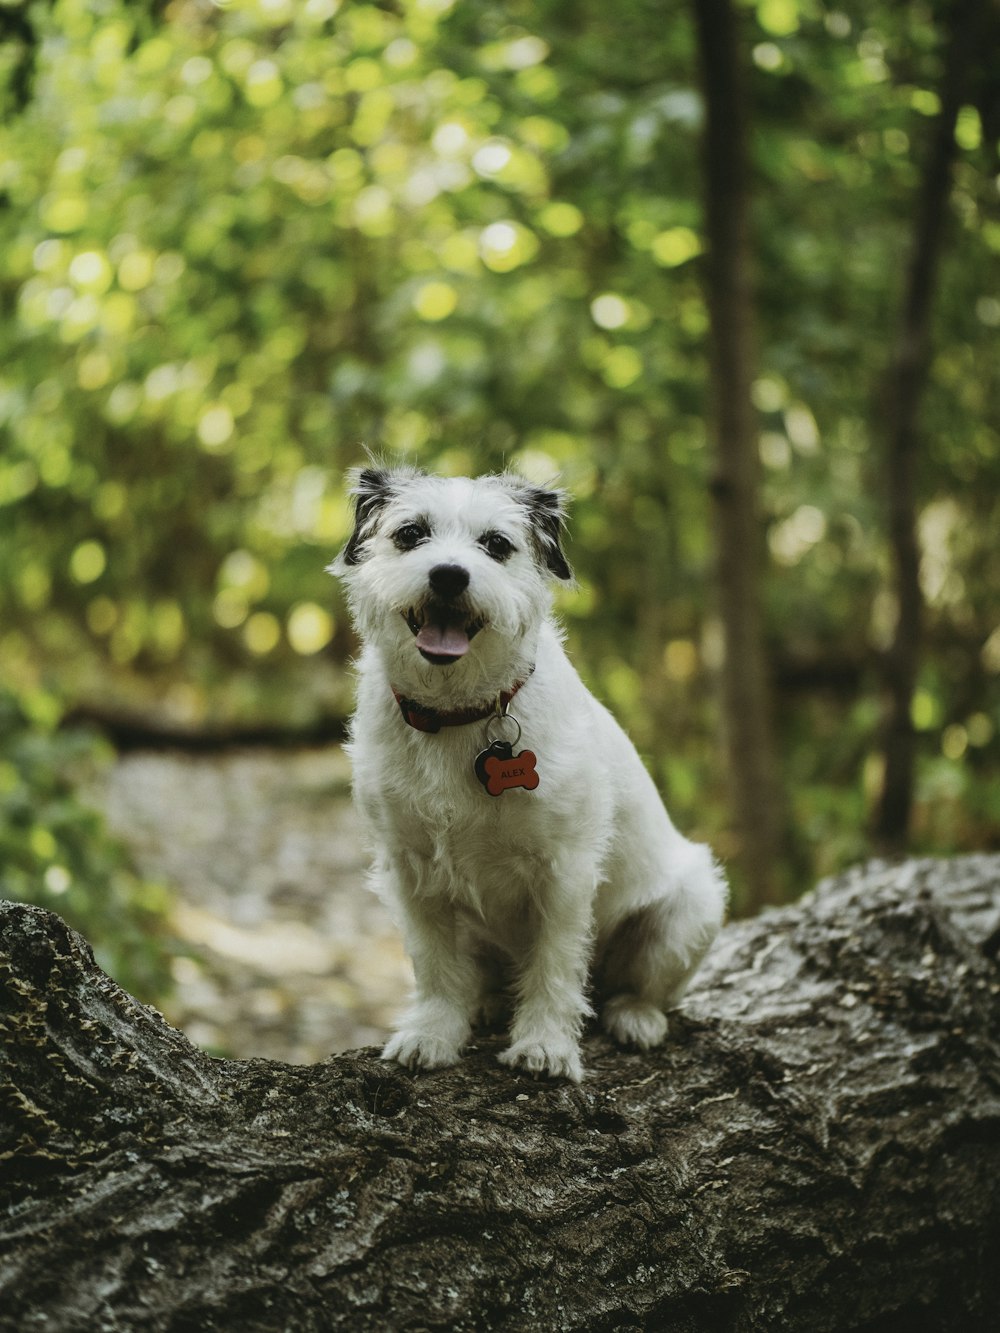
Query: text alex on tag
[(500, 770)]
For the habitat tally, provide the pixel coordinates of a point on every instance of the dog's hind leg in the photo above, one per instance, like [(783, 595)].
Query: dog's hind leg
[(648, 957)]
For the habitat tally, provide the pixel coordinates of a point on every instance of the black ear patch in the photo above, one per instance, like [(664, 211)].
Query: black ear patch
[(371, 490), (547, 511)]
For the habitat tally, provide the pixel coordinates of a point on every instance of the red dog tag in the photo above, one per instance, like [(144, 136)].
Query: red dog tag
[(499, 769)]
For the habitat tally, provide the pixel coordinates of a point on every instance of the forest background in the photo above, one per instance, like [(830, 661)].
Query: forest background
[(239, 242)]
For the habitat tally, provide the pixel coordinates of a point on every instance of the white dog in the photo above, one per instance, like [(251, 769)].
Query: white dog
[(536, 873)]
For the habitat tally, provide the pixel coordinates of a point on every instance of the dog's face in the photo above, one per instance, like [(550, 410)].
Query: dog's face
[(449, 577)]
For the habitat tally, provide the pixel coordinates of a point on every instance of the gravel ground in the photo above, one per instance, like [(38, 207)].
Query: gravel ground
[(291, 956)]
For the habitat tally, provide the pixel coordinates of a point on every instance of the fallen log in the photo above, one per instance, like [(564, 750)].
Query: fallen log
[(816, 1147)]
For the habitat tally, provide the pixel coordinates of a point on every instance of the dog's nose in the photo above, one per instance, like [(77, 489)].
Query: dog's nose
[(448, 581)]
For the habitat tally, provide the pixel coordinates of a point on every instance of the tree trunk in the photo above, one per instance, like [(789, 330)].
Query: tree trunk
[(904, 385), (747, 707), (816, 1147)]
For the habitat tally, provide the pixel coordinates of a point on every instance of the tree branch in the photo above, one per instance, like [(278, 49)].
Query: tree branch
[(817, 1146)]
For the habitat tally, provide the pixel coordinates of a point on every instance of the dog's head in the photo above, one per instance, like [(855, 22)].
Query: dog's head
[(449, 577)]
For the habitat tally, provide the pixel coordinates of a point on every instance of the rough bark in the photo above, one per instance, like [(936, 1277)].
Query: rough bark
[(746, 690), (905, 381), (816, 1147)]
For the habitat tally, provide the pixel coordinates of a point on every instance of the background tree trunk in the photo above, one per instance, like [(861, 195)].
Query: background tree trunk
[(817, 1147), (746, 702), (904, 385)]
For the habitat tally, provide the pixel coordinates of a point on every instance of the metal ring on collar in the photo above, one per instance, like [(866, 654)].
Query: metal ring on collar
[(494, 721)]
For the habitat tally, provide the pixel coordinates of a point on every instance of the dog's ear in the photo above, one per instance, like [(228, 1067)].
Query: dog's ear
[(371, 488), (547, 512)]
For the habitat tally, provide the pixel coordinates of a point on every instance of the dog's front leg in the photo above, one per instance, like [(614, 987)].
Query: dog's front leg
[(437, 1024), (551, 1001)]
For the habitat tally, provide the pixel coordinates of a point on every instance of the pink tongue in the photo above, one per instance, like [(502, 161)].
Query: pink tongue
[(443, 640)]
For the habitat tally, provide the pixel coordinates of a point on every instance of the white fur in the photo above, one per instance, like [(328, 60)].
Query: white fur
[(583, 880)]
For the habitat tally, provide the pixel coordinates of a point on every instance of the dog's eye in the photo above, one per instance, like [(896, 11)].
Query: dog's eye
[(409, 536), (496, 545)]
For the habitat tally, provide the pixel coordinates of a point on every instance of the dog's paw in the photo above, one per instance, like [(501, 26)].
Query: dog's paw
[(421, 1050), (553, 1054), (634, 1022)]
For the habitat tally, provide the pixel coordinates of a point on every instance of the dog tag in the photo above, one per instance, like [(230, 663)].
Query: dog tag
[(499, 769)]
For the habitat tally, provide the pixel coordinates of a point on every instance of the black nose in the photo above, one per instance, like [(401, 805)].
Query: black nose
[(448, 581)]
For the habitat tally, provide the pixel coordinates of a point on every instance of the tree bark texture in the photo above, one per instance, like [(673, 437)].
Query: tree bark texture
[(746, 695), (905, 381), (816, 1147)]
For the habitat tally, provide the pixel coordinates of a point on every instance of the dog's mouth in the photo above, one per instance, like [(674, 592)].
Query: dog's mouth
[(442, 633)]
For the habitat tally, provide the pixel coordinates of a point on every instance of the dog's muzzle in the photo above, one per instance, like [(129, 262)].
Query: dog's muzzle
[(443, 629)]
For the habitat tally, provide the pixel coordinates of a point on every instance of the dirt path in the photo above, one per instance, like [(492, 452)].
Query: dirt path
[(292, 957)]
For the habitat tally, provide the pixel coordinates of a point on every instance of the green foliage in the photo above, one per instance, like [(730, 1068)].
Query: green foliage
[(56, 852), (240, 240)]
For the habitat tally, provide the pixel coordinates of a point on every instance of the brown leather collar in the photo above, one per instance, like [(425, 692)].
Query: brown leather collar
[(422, 718)]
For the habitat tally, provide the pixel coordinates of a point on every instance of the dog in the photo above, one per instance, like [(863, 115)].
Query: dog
[(541, 876)]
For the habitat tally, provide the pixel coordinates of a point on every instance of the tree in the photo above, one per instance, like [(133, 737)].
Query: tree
[(905, 382), (815, 1148), (747, 708)]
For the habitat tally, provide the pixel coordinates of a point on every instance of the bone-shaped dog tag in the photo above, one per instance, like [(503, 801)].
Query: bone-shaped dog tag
[(499, 769)]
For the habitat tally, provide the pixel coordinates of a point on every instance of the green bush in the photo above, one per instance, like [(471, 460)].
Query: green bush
[(55, 851)]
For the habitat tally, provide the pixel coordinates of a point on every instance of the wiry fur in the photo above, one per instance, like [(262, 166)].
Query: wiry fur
[(534, 898)]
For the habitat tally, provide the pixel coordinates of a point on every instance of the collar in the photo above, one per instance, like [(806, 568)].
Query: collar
[(422, 718)]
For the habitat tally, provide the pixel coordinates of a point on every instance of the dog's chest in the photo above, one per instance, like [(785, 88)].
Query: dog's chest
[(433, 804), (448, 801), (483, 855)]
